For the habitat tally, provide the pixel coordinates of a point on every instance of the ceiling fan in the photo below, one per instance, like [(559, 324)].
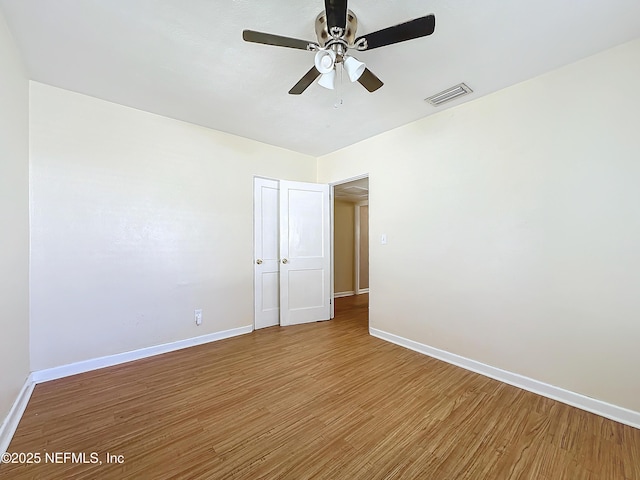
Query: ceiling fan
[(336, 32)]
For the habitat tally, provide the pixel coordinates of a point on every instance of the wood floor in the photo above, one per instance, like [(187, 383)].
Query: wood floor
[(323, 400)]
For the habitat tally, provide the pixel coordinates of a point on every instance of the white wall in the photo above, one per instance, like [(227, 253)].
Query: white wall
[(14, 222), (137, 220), (525, 253)]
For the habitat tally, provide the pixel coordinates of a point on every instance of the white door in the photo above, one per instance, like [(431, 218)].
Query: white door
[(305, 262), (266, 261)]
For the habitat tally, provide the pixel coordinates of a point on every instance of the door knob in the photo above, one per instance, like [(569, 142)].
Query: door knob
[(284, 260), (259, 261)]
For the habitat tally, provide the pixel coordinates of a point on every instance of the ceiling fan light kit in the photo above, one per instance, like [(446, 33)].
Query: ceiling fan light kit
[(336, 30)]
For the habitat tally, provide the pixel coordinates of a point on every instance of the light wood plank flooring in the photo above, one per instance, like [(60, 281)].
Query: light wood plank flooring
[(323, 400)]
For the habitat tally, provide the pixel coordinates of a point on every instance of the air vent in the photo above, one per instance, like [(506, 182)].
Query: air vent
[(448, 95)]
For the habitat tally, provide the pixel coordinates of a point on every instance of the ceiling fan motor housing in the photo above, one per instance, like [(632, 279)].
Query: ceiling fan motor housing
[(323, 34)]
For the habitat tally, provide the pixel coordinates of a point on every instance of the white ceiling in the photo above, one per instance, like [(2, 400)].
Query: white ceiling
[(187, 60)]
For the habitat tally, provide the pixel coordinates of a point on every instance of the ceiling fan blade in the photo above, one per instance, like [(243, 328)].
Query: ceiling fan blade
[(305, 81), (369, 81), (336, 11), (419, 27), (276, 40)]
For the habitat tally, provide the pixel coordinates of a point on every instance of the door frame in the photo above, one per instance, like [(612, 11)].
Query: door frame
[(356, 241)]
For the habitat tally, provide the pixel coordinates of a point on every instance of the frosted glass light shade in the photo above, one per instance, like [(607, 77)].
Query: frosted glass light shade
[(328, 80), (325, 60), (354, 68)]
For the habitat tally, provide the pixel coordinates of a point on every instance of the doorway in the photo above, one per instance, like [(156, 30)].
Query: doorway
[(351, 239)]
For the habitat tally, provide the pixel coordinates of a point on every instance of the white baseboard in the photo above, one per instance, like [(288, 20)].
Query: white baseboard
[(54, 373), (8, 427), (10, 424), (343, 294), (362, 290), (604, 409)]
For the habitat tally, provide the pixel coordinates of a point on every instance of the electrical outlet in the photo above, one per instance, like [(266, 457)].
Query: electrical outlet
[(198, 316)]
